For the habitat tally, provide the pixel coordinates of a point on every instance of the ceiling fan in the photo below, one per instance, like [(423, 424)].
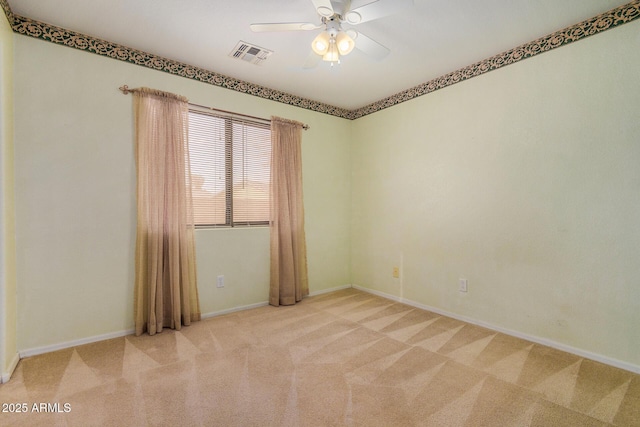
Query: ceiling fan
[(335, 41)]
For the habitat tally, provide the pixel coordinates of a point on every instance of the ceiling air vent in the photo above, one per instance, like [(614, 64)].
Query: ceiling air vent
[(250, 53)]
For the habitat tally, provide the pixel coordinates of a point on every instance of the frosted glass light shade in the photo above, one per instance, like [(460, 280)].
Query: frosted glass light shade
[(320, 44), (331, 44), (332, 55), (345, 43)]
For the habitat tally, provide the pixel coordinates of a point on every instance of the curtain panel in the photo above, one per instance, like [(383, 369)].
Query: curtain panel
[(289, 282), (166, 293)]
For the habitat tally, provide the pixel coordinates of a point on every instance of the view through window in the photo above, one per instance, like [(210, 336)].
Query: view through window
[(230, 169)]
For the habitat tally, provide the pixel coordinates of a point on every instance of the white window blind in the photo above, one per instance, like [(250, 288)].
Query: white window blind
[(230, 169)]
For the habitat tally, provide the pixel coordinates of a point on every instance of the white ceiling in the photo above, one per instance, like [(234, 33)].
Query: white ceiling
[(427, 40)]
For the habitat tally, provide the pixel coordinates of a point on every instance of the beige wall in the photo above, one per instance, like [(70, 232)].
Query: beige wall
[(8, 349), (524, 181), (75, 201)]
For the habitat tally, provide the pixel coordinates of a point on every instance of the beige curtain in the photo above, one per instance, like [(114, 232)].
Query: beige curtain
[(288, 247), (166, 293)]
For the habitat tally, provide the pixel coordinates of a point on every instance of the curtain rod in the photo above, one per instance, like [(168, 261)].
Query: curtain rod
[(126, 90)]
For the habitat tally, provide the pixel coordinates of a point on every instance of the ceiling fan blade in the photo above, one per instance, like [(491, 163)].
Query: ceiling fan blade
[(376, 10), (323, 7), (312, 60), (284, 26), (371, 47)]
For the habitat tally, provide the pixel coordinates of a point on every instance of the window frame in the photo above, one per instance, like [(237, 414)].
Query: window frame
[(229, 120)]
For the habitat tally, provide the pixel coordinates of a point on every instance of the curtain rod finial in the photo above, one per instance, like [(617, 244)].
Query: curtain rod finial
[(125, 89)]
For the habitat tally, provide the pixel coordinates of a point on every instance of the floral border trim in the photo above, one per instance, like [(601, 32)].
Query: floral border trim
[(613, 18), (605, 21), (7, 11), (61, 36)]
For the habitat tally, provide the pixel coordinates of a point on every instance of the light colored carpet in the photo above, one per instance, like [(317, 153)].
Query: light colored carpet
[(345, 358)]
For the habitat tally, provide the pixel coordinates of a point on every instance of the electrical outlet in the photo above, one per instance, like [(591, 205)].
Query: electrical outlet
[(220, 282), (462, 285), (396, 272)]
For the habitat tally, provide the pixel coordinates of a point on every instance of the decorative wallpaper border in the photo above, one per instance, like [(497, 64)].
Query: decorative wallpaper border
[(7, 11), (611, 19), (57, 35)]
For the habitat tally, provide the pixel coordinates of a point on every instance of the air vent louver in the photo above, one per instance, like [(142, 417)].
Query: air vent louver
[(250, 53)]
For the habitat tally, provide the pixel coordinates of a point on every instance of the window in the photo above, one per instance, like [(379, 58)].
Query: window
[(230, 169)]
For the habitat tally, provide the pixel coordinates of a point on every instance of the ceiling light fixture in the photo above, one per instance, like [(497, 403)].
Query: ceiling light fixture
[(333, 42)]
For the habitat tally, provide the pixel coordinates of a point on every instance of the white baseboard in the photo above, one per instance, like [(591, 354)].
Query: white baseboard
[(326, 291), (262, 304), (6, 376), (538, 340), (60, 346), (67, 344), (234, 309)]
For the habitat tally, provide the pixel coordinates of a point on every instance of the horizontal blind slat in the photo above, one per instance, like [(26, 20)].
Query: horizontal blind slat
[(251, 148)]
